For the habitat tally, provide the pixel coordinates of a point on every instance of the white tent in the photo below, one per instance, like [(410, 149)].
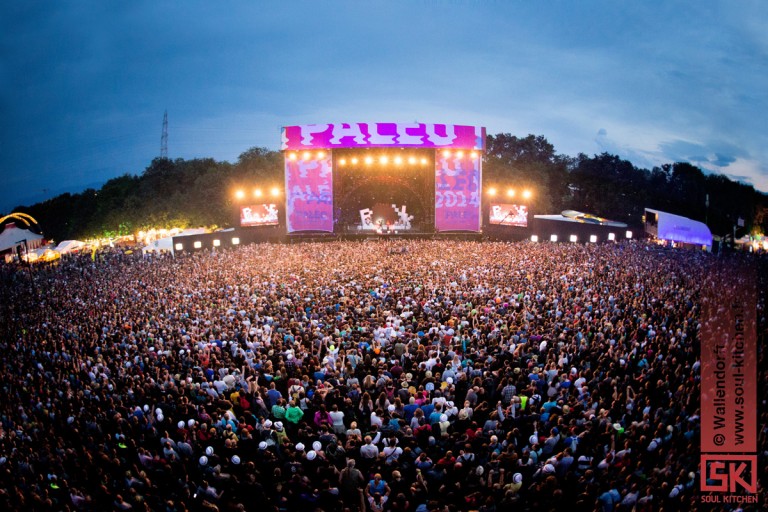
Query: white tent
[(163, 244), (13, 236), (166, 244), (68, 246)]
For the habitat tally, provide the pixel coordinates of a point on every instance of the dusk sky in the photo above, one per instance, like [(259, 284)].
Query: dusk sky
[(84, 84)]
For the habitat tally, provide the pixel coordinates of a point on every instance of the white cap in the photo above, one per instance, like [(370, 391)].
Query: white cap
[(209, 451), (517, 478), (317, 446), (203, 460), (533, 440), (191, 423), (279, 425), (235, 459), (268, 424), (160, 417), (443, 417), (311, 455), (181, 424), (263, 445), (300, 447), (549, 468), (158, 411)]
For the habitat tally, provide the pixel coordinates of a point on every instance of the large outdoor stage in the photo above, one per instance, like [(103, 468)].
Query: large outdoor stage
[(366, 180)]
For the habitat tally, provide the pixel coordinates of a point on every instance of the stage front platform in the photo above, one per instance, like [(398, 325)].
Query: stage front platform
[(361, 235)]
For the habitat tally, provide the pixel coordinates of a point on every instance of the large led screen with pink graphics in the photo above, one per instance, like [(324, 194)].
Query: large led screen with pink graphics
[(309, 193), (457, 191), (370, 135)]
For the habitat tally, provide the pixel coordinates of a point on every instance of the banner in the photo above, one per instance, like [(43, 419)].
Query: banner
[(457, 192), (309, 194), (371, 135), (729, 396)]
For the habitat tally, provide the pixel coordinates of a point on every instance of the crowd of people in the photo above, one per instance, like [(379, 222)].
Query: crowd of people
[(372, 376)]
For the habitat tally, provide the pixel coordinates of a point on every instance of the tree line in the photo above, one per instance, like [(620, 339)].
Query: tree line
[(200, 192)]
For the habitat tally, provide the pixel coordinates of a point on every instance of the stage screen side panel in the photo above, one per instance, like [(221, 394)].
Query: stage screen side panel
[(309, 194), (457, 191)]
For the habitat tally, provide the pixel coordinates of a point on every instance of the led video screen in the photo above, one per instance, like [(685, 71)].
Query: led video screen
[(457, 186), (509, 215), (309, 194), (259, 215), (385, 218)]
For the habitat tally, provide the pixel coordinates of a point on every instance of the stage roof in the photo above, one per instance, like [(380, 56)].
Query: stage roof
[(677, 228)]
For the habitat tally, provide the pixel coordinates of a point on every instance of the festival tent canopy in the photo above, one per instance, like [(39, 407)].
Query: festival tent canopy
[(13, 236), (166, 244), (676, 228), (69, 246)]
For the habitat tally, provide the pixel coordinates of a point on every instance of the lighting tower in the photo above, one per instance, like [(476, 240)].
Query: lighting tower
[(164, 137)]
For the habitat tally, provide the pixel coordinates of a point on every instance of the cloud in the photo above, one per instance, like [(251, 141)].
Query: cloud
[(715, 154)]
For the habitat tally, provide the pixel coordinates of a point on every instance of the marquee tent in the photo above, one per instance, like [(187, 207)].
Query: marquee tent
[(166, 244), (68, 246), (13, 236)]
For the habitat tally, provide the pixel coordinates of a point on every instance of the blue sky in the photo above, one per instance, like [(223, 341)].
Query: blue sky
[(84, 84)]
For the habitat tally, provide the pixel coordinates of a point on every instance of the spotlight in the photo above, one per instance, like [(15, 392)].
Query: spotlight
[(235, 241), (534, 238), (369, 160), (629, 234), (611, 236), (492, 191), (216, 242), (511, 192), (257, 192), (526, 194), (291, 156), (179, 247), (446, 153), (198, 244), (411, 160), (383, 160), (275, 191), (343, 161), (473, 154), (574, 238), (553, 238), (321, 154), (307, 155), (240, 194), (398, 160), (423, 161), (354, 160), (459, 154), (593, 238)]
